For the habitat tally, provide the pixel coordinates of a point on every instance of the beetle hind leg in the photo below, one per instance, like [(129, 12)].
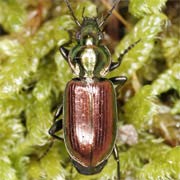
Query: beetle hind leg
[(116, 157)]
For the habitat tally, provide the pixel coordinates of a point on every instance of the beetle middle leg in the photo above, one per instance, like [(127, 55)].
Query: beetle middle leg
[(57, 124), (64, 52), (118, 80), (116, 157), (115, 65)]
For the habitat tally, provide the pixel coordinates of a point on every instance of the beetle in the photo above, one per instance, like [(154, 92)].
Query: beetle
[(89, 106)]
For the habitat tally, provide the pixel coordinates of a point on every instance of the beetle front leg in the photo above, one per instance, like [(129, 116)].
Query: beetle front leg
[(116, 157), (115, 65), (118, 80), (64, 52)]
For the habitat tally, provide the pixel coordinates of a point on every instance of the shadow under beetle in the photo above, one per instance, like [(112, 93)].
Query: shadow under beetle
[(89, 107)]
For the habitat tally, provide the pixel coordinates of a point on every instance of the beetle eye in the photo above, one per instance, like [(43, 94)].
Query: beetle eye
[(100, 36), (78, 35)]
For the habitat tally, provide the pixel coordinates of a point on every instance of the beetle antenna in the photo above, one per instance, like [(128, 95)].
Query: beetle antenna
[(109, 13), (83, 12), (72, 13)]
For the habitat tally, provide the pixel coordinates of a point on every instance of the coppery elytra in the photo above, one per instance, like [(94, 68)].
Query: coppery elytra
[(89, 107)]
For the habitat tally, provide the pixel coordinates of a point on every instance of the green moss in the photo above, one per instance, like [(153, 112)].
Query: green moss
[(141, 8), (145, 30), (13, 15), (166, 169)]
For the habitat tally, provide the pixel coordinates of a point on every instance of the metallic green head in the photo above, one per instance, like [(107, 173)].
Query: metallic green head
[(89, 28)]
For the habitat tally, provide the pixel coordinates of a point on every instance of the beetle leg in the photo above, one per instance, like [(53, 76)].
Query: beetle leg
[(47, 150), (58, 112), (64, 52), (118, 80), (116, 157), (115, 65), (57, 126)]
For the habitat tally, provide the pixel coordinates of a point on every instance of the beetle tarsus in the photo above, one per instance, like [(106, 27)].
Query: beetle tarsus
[(116, 157), (47, 150)]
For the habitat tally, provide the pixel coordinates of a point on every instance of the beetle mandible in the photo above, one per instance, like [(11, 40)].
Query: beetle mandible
[(89, 107)]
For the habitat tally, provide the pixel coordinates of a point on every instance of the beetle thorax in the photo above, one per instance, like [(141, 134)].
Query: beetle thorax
[(88, 58)]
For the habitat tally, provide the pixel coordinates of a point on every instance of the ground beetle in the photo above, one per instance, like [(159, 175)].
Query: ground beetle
[(89, 108)]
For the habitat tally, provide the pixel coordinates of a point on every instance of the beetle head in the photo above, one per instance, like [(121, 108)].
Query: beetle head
[(89, 29)]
